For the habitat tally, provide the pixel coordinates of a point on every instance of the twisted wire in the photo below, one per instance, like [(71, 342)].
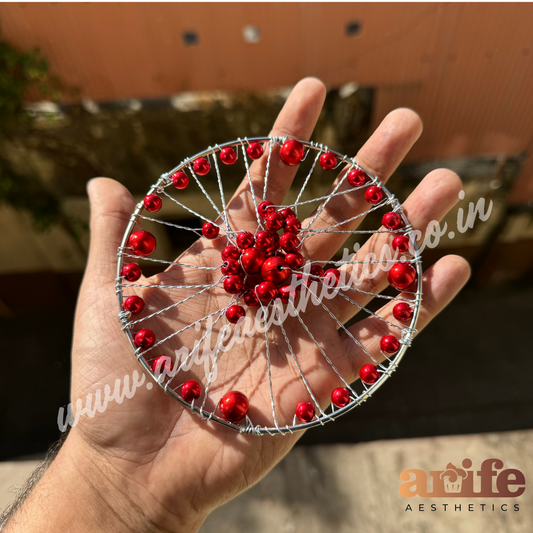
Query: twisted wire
[(407, 332)]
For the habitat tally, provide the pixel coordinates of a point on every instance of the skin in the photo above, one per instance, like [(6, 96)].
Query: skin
[(148, 464)]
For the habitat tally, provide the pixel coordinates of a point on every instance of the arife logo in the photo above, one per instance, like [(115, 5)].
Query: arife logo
[(456, 482)]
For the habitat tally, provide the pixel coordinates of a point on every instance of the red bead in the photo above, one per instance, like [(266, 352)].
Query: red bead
[(271, 250), (250, 299), (234, 313), (231, 267), (230, 252), (305, 411), (401, 276), (328, 160), (133, 304), (287, 212), (392, 221), (294, 260), (298, 280), (276, 270), (144, 338), (131, 272), (191, 390), (152, 203), (357, 177), (332, 277), (389, 344), (340, 397), (265, 208), (228, 155), (402, 312), (291, 152), (233, 284), (254, 150), (201, 166), (234, 406), (245, 240), (401, 244), (142, 243), (292, 224), (287, 292), (307, 280), (374, 195), (162, 364), (274, 221), (289, 242), (316, 271), (266, 291), (210, 231), (369, 374), (252, 260), (267, 240), (180, 180), (253, 280)]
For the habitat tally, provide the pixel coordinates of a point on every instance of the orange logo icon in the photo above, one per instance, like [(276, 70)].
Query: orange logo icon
[(461, 482)]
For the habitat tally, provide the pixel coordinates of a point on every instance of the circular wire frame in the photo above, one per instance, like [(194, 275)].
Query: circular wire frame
[(385, 370)]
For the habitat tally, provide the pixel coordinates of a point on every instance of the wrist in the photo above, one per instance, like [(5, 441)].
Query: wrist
[(84, 491)]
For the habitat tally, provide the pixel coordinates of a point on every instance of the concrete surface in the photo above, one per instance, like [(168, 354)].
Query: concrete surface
[(348, 488)]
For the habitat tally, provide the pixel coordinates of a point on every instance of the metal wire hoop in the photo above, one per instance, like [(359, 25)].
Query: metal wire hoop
[(386, 369)]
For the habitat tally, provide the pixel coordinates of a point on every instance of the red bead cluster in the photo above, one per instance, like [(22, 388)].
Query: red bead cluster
[(259, 268)]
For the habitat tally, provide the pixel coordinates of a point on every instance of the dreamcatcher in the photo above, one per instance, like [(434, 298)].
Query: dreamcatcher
[(262, 276)]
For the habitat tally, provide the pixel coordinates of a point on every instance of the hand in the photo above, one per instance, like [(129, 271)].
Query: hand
[(159, 467)]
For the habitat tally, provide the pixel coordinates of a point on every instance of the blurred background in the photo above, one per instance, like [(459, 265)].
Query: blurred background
[(128, 90)]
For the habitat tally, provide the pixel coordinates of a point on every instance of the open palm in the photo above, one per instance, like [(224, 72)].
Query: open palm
[(173, 466)]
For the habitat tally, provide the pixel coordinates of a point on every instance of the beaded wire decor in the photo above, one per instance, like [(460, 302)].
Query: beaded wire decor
[(262, 270)]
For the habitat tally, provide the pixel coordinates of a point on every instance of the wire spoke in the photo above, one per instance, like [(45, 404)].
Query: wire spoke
[(294, 358), (197, 346), (172, 263), (321, 350), (342, 326), (130, 324)]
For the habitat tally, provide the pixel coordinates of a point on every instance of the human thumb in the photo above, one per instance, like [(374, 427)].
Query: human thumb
[(111, 208)]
